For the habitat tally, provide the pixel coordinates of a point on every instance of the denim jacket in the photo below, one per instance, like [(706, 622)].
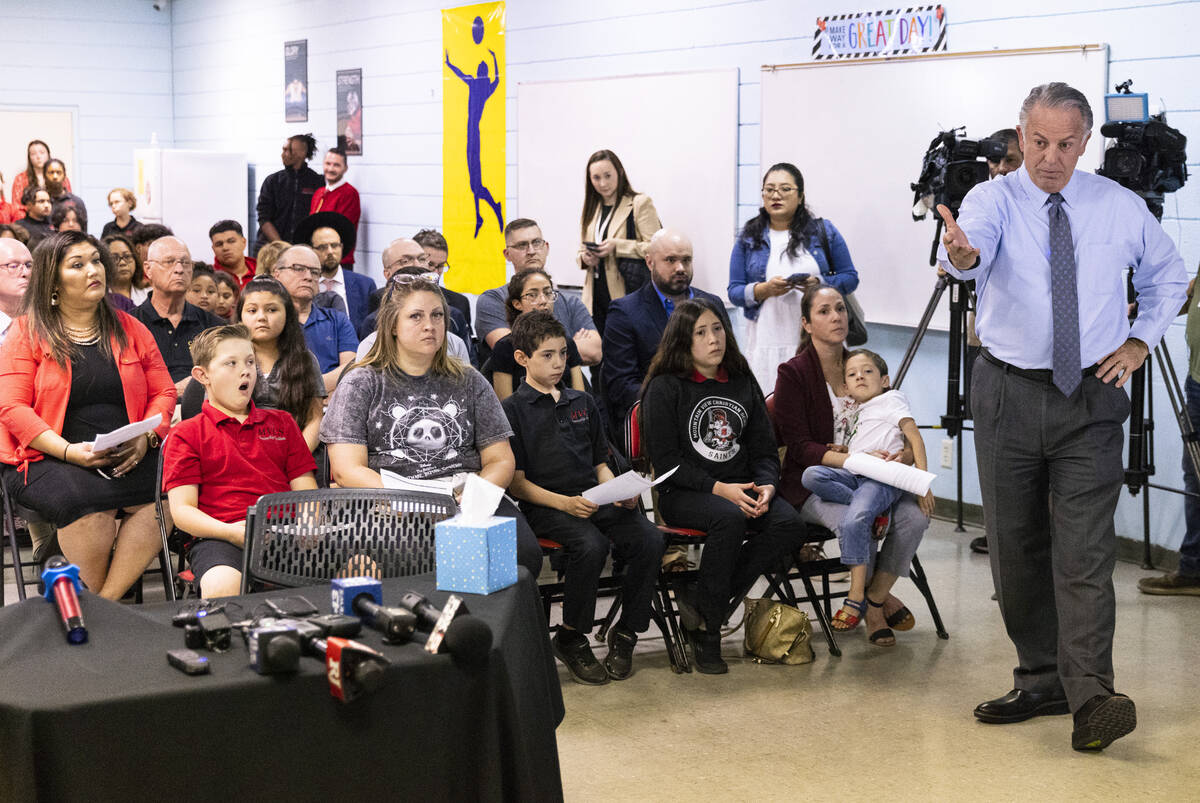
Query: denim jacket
[(748, 264)]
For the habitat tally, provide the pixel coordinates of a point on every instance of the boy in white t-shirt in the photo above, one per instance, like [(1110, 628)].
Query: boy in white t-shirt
[(883, 422)]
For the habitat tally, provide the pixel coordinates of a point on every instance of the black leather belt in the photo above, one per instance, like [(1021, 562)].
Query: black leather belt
[(1043, 375)]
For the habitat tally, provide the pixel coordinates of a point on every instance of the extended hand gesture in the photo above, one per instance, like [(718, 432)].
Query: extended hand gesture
[(962, 254)]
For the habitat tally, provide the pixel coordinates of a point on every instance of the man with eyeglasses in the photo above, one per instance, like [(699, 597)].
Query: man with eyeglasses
[(166, 313), (525, 248), (456, 346), (328, 332), (16, 263), (438, 251), (229, 251), (330, 235)]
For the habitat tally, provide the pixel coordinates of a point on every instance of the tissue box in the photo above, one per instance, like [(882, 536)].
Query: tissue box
[(476, 559)]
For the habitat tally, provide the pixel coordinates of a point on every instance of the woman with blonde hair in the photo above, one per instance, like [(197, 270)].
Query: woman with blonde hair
[(411, 408), (122, 203)]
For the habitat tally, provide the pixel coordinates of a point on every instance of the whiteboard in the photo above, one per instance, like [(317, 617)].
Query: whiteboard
[(858, 131), (676, 135), (189, 190), (53, 125)]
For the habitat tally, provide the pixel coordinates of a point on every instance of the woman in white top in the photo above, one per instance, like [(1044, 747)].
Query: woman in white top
[(617, 222), (781, 251)]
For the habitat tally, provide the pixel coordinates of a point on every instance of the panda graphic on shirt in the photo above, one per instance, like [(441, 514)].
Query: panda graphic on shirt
[(715, 428), (428, 434)]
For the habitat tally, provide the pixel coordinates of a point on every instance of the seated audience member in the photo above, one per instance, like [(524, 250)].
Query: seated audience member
[(289, 378), (37, 214), (71, 369), (882, 423), (146, 233), (338, 195), (66, 217), (636, 321), (703, 412), (16, 264), (328, 331), (528, 291), (14, 231), (814, 409), (407, 256), (455, 345), (202, 292), (438, 252), (37, 153), (122, 203), (411, 408), (218, 463), (268, 255), (229, 251), (331, 235), (228, 291), (129, 278), (525, 249), (561, 450), (166, 313), (60, 194)]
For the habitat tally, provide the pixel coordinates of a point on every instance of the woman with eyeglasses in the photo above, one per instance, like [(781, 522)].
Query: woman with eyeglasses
[(781, 251), (410, 408), (129, 277), (617, 222), (72, 368), (528, 291)]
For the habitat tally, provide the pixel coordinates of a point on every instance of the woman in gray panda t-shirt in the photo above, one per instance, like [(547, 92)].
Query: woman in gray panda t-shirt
[(411, 408)]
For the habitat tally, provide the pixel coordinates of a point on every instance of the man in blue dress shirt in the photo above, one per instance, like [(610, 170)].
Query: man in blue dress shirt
[(1047, 247)]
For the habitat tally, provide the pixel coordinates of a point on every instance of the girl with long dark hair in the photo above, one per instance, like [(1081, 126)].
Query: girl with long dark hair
[(703, 412), (528, 291), (37, 153), (781, 251)]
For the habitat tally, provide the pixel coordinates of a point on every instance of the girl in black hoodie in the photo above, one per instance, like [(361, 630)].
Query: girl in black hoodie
[(703, 411)]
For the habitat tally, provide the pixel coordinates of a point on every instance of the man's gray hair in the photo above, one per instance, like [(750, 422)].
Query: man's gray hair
[(1057, 95)]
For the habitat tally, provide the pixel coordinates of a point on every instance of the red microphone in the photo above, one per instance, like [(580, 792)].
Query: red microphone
[(60, 581)]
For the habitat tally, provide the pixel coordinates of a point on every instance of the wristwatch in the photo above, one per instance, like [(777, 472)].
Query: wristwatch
[(153, 439)]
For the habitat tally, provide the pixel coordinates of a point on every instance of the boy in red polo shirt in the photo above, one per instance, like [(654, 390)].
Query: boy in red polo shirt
[(218, 463)]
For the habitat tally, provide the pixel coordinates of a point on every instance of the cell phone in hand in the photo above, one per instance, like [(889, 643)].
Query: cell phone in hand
[(797, 279), (590, 246)]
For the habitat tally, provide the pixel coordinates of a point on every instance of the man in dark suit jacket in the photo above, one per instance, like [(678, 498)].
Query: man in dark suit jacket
[(636, 322), (331, 235)]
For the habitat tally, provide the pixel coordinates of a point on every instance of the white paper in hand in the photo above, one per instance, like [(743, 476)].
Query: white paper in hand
[(126, 433), (890, 472), (480, 499), (626, 486)]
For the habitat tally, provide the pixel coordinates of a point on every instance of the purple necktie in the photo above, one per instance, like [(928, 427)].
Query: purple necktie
[(1064, 299)]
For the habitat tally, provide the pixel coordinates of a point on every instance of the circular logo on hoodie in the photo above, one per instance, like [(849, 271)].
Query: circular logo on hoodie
[(715, 427)]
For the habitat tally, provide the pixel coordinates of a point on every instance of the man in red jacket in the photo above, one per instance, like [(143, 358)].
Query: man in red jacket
[(338, 195)]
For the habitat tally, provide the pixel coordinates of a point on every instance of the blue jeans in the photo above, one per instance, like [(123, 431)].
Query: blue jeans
[(1189, 550), (865, 499)]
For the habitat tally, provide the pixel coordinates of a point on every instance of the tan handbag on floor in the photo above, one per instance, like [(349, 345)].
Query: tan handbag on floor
[(777, 633)]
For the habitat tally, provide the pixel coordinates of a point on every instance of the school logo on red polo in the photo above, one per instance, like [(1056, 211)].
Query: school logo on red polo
[(715, 427)]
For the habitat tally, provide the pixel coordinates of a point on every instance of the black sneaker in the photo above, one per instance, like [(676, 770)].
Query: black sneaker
[(576, 653), (1102, 720), (619, 661), (706, 652)]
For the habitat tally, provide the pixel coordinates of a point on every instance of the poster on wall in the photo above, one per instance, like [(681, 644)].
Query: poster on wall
[(473, 132), (295, 81), (349, 111), (869, 34)]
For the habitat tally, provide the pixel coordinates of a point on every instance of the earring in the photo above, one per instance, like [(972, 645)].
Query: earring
[(54, 299)]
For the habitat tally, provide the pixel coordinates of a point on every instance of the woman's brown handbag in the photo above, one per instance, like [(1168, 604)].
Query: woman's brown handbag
[(777, 633)]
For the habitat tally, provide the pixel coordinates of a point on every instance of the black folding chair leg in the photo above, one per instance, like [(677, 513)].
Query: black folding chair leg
[(821, 611), (673, 633), (610, 617), (10, 526), (917, 575)]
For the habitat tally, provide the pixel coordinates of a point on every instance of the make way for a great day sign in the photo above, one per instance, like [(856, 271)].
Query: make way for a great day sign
[(866, 34)]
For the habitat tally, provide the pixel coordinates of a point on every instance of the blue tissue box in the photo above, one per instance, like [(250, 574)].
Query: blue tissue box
[(476, 559)]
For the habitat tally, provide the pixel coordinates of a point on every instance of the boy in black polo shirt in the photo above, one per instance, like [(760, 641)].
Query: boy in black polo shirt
[(560, 449)]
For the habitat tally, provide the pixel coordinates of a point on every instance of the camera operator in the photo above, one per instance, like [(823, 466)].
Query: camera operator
[(1047, 246)]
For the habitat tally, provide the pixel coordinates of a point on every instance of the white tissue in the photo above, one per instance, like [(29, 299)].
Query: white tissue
[(480, 499)]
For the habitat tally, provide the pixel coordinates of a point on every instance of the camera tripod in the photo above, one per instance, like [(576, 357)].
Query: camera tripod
[(958, 371)]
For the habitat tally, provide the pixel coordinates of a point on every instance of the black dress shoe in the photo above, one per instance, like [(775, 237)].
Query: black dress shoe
[(979, 545), (1019, 705), (1102, 720), (572, 649)]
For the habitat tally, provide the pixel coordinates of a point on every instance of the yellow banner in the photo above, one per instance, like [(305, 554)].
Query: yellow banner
[(473, 126)]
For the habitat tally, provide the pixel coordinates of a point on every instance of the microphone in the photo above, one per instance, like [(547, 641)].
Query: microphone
[(61, 581), (361, 596), (451, 629), (352, 668)]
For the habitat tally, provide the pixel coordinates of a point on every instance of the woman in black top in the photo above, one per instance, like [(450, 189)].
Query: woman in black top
[(122, 203), (528, 291), (703, 412)]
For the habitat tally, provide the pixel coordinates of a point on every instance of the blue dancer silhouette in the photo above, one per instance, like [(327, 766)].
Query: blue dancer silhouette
[(479, 90)]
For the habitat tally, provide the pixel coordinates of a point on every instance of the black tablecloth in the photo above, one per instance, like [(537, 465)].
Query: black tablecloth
[(111, 720)]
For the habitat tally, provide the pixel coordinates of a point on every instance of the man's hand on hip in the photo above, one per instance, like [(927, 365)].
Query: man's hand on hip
[(1121, 364)]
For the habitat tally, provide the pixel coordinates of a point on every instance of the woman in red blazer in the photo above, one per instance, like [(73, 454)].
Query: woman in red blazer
[(71, 368), (812, 412)]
